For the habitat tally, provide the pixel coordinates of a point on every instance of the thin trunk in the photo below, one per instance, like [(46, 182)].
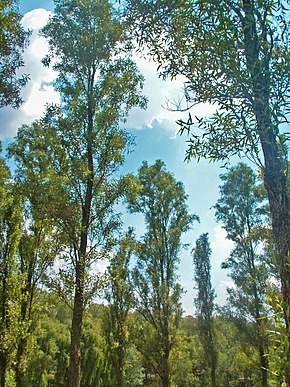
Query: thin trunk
[(165, 372), (74, 372), (264, 366)]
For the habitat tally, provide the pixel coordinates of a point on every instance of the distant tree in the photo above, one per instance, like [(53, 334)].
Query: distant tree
[(120, 298), (162, 201), (204, 303), (13, 40), (235, 55), (241, 209)]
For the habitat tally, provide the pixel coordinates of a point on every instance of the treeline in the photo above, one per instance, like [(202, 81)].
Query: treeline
[(138, 336), (47, 360), (58, 204)]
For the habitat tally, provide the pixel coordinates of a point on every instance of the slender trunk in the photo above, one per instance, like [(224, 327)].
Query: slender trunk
[(264, 366), (74, 371)]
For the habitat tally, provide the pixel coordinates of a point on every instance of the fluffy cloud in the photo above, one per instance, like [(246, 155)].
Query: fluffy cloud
[(39, 90), (164, 98)]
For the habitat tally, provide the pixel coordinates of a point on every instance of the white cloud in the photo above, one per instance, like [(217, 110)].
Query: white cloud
[(222, 291), (41, 94), (221, 246), (163, 98), (39, 90), (35, 19)]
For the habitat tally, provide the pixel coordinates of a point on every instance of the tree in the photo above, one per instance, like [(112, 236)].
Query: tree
[(204, 302), (234, 55), (162, 201), (13, 40), (38, 247), (10, 280), (99, 84), (119, 295), (242, 211)]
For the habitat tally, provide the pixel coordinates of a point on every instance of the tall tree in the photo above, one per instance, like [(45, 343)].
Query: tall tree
[(242, 211), (99, 84), (13, 40), (204, 302), (162, 201), (120, 297), (234, 54)]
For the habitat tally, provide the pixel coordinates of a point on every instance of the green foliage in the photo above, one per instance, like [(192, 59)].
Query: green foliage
[(94, 371), (209, 44), (49, 360), (235, 56), (162, 201), (204, 303), (120, 298), (13, 40), (11, 281), (244, 216)]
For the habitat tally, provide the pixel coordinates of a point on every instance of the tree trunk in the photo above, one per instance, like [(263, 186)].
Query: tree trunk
[(3, 368), (264, 367), (25, 321), (19, 371), (165, 378), (275, 183), (74, 372)]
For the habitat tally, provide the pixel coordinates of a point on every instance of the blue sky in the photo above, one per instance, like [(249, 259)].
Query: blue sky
[(155, 137)]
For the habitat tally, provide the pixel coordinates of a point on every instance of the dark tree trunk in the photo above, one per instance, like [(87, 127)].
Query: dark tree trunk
[(19, 371), (165, 376), (3, 368), (275, 183), (74, 372), (264, 367)]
